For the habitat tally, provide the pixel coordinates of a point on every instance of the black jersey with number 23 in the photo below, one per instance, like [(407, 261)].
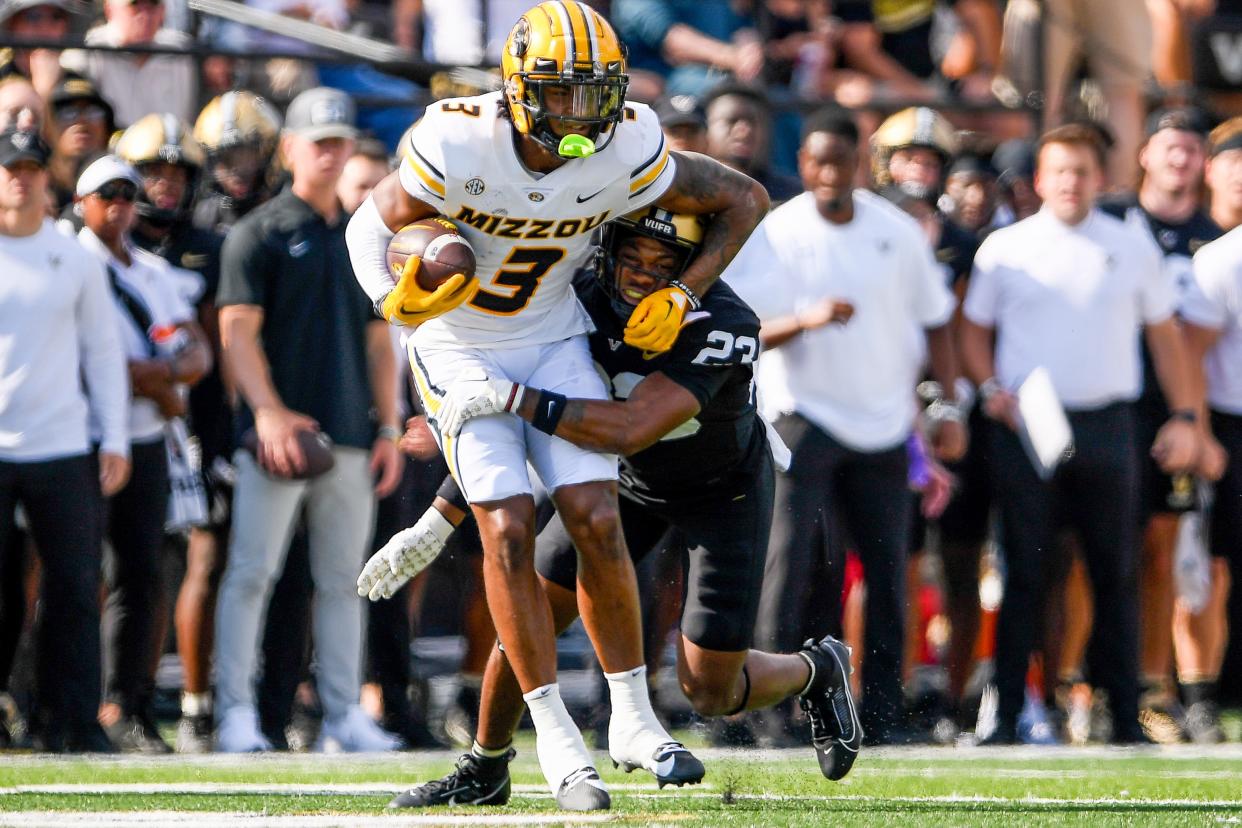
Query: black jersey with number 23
[(711, 359)]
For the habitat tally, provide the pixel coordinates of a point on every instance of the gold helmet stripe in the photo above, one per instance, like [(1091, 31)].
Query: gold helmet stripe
[(569, 48), (592, 31), (578, 30)]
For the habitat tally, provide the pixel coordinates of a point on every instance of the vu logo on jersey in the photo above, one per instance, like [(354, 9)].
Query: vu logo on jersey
[(521, 228)]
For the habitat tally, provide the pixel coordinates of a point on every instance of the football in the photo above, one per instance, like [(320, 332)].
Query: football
[(316, 449), (444, 252)]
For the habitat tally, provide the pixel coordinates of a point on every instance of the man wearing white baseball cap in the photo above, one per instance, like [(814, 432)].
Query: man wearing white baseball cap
[(165, 350)]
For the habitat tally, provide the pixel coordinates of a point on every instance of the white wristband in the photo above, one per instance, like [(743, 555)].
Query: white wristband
[(438, 524)]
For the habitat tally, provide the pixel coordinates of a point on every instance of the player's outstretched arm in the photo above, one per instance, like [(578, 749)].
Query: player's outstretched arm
[(410, 551), (656, 406), (735, 201)]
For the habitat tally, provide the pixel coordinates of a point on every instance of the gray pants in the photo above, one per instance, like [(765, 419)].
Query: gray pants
[(339, 516)]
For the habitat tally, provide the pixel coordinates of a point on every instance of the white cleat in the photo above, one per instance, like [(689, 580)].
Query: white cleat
[(239, 732), (355, 732), (583, 790)]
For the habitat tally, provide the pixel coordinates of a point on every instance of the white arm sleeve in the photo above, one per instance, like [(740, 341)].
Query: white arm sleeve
[(367, 238)]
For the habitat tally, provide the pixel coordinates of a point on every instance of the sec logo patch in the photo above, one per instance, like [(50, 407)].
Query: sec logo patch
[(475, 186)]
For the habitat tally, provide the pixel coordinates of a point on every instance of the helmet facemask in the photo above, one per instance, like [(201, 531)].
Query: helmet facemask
[(559, 106), (610, 260)]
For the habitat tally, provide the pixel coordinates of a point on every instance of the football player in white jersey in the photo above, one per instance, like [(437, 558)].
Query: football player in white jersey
[(527, 174)]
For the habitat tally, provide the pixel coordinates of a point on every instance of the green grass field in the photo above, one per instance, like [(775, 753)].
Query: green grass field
[(887, 787)]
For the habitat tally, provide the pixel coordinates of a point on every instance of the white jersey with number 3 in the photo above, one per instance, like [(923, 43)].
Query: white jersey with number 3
[(530, 231)]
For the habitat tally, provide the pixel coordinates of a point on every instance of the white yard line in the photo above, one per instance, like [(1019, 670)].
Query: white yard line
[(198, 819), (262, 788)]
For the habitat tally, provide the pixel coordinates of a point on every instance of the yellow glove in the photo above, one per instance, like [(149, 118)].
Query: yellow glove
[(656, 322), (409, 304)]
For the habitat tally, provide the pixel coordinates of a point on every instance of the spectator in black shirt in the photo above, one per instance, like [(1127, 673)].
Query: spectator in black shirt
[(307, 354), (739, 133)]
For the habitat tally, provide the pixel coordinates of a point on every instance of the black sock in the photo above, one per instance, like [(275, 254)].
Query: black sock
[(1199, 691)]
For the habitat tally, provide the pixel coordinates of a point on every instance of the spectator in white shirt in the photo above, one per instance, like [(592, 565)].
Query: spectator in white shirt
[(1069, 290), (138, 84), (166, 350), (842, 396), (60, 362)]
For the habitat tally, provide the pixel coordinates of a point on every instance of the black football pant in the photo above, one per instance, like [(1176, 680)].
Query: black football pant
[(388, 624), (1226, 541), (64, 510), (847, 495), (1095, 492), (132, 572)]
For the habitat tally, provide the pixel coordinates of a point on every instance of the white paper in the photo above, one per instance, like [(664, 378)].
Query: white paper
[(1043, 427)]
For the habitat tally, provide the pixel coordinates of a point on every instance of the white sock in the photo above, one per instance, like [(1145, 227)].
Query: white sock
[(489, 753), (558, 742), (196, 704), (634, 732)]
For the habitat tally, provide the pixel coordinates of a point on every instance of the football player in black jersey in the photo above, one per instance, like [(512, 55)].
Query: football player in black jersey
[(695, 456), (1168, 205)]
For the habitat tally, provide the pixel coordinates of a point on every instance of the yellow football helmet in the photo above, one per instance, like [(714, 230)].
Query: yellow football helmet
[(564, 69), (913, 127), (162, 139), (681, 233)]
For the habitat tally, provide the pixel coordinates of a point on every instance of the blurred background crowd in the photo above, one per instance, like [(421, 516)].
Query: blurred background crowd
[(204, 155)]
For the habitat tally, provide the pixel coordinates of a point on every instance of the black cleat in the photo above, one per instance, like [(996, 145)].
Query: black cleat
[(836, 732), (475, 781), (671, 764), (136, 733), (583, 790)]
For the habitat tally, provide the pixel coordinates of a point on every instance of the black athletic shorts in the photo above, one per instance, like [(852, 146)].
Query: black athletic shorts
[(1159, 492), (727, 540)]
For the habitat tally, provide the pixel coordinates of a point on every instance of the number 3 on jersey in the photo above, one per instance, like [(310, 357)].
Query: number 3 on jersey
[(521, 273)]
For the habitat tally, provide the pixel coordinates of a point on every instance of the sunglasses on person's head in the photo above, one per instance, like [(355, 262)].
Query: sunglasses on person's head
[(72, 113), (118, 190)]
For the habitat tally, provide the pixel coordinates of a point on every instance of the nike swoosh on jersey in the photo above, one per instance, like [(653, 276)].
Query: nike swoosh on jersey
[(591, 196)]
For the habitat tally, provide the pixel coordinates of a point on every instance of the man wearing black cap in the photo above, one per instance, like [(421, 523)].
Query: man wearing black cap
[(684, 123), (81, 121), (1167, 205), (970, 187), (1014, 162), (61, 363)]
